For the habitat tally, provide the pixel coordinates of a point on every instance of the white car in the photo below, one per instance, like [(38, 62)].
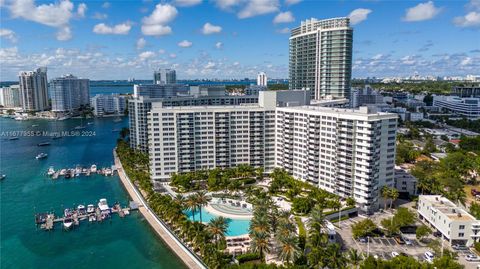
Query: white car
[(408, 242), (429, 256), (472, 258), (394, 254)]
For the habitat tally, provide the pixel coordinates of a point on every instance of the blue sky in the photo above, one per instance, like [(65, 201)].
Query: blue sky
[(231, 38)]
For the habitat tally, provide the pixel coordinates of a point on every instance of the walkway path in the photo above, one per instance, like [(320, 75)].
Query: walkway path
[(178, 248)]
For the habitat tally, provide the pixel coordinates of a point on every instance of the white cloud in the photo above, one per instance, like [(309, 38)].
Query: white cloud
[(146, 55), (209, 29), (56, 15), (173, 55), (285, 30), (64, 34), (284, 17), (210, 65), (99, 16), (473, 5), (119, 29), (187, 3), (292, 2), (219, 45), (106, 5), (156, 30), (358, 15), (377, 57), (471, 19), (8, 34), (422, 12), (155, 24), (466, 61), (81, 9), (141, 42), (258, 7), (227, 4), (161, 51), (185, 44)]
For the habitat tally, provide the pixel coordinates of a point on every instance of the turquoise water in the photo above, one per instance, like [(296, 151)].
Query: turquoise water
[(119, 243), (235, 226)]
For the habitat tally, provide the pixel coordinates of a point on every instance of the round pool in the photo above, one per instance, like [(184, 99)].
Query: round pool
[(236, 227)]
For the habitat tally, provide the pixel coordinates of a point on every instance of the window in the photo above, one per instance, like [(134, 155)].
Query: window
[(461, 234), (461, 227)]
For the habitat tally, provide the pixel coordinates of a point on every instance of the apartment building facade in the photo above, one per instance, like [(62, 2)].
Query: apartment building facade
[(34, 90), (344, 151), (320, 57), (453, 222), (69, 93), (10, 96), (108, 104)]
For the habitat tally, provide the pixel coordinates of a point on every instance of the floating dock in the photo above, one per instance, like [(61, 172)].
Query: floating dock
[(68, 173)]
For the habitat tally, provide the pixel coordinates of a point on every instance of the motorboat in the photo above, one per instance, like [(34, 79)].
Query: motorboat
[(108, 172), (103, 205), (34, 125), (63, 172), (67, 212), (81, 209), (90, 208), (93, 168), (117, 119), (89, 123), (51, 171), (41, 156), (68, 174), (92, 218), (2, 177), (43, 144), (67, 223), (79, 127), (13, 138)]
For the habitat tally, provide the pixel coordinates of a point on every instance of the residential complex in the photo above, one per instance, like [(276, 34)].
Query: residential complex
[(321, 57), (365, 96), (165, 76), (344, 151), (405, 183), (108, 104), (348, 152), (471, 90), (453, 222), (254, 89), (69, 94), (464, 107), (10, 96), (262, 79), (34, 90)]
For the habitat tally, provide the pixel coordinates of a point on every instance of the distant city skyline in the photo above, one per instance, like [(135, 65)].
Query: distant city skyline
[(231, 39)]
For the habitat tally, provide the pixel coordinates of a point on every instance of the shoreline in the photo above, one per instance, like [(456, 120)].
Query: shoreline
[(167, 237)]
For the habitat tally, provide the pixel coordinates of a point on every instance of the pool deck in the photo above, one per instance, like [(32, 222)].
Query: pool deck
[(213, 211), (177, 247)]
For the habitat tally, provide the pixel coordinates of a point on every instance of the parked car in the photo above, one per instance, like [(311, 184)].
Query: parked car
[(399, 240), (459, 247), (403, 254), (394, 254), (472, 258), (408, 241), (429, 256), (362, 240), (437, 234)]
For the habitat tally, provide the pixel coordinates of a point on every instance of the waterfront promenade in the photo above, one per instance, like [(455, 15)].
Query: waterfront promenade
[(175, 245)]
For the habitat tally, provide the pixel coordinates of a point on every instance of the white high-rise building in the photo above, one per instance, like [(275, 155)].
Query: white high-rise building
[(321, 57), (262, 79), (344, 151), (34, 90), (347, 152), (165, 76), (69, 93), (108, 104), (10, 96)]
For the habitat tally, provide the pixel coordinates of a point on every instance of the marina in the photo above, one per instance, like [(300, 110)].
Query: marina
[(73, 216), (68, 173)]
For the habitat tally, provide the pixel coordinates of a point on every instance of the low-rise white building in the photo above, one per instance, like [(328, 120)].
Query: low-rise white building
[(464, 107), (453, 222), (108, 104)]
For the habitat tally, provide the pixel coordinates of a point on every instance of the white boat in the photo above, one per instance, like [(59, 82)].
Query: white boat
[(93, 168), (81, 209), (117, 119), (51, 171), (103, 205), (92, 218), (90, 209), (79, 127), (34, 125), (89, 123), (41, 156), (63, 172), (2, 177), (67, 223), (108, 172), (20, 118)]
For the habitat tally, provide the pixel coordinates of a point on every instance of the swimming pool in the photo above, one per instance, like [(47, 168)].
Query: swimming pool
[(235, 227)]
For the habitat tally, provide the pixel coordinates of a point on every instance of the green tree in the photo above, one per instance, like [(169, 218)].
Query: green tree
[(363, 228), (422, 231), (289, 250), (390, 226), (202, 200), (404, 217), (217, 228), (354, 258)]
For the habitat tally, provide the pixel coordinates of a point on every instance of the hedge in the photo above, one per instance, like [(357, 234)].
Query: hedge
[(247, 257)]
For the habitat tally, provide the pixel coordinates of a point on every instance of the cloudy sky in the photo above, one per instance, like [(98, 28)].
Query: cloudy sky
[(230, 38)]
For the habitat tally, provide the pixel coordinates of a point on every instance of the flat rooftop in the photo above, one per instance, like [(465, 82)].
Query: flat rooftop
[(447, 207)]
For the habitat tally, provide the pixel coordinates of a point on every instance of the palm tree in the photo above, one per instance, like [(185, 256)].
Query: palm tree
[(191, 204), (316, 218), (335, 256), (180, 200), (289, 249), (354, 258), (260, 243), (217, 228), (385, 195), (202, 200), (259, 224), (393, 194)]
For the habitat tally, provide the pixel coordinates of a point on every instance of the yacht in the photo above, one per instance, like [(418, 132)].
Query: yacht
[(2, 177), (41, 156), (67, 223), (81, 209), (51, 171), (117, 119), (93, 168), (103, 205), (34, 125), (13, 138), (89, 123), (90, 209), (63, 172), (92, 218)]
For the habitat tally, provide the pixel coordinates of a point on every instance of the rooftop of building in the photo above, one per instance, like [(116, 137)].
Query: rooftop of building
[(447, 207), (361, 111)]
